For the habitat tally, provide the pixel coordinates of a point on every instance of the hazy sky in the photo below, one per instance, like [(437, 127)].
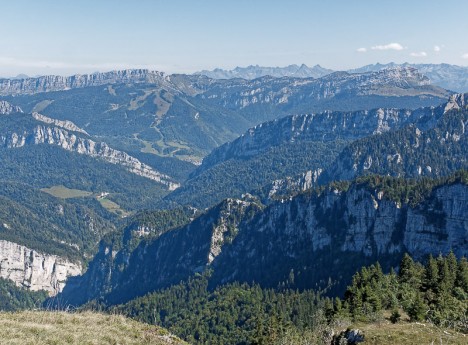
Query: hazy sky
[(66, 37)]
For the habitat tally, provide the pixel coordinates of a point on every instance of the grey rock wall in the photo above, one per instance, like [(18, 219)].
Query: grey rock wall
[(33, 270)]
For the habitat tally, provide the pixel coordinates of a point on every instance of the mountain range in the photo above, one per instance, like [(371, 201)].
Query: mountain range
[(135, 181), (158, 117), (322, 224), (313, 235), (254, 72), (448, 76)]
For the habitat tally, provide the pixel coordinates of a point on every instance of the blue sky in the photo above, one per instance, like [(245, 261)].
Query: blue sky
[(66, 37)]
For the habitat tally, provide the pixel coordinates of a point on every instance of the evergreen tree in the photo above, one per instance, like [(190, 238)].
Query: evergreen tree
[(418, 309)]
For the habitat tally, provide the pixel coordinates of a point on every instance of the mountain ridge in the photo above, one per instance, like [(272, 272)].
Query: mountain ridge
[(242, 241), (67, 135), (448, 76), (253, 72)]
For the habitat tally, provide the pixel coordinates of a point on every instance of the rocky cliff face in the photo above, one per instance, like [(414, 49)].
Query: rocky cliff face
[(175, 255), (435, 145), (59, 83), (67, 135), (317, 236), (68, 125), (309, 92), (290, 186), (326, 126), (33, 270), (7, 108)]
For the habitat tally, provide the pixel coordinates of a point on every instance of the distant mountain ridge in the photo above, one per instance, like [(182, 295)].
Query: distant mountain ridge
[(342, 145), (68, 136), (60, 83), (451, 77), (253, 72), (186, 116)]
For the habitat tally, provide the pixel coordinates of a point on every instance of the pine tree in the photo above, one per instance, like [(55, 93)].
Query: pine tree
[(431, 279), (417, 311), (462, 275), (406, 269)]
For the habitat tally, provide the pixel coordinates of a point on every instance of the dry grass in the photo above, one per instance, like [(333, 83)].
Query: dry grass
[(41, 327), (405, 333)]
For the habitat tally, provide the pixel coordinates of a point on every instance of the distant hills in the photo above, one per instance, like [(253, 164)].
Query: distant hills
[(448, 76)]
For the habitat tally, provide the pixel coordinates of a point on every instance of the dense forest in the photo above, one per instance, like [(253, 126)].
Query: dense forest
[(436, 292)]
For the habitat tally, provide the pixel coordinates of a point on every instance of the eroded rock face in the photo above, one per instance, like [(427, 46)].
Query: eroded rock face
[(68, 125), (330, 235), (60, 83), (7, 108), (68, 136), (33, 270), (457, 102), (326, 126)]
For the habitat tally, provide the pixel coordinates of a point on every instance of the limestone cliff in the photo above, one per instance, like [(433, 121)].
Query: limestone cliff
[(59, 83), (34, 270), (323, 127), (320, 236), (7, 108), (68, 136)]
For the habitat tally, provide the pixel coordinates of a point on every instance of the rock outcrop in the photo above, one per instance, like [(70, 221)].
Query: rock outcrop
[(290, 186), (68, 125), (7, 108), (68, 136), (33, 270), (59, 83), (326, 126), (317, 236)]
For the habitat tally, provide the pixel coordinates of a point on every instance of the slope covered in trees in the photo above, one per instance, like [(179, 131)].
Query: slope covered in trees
[(434, 292)]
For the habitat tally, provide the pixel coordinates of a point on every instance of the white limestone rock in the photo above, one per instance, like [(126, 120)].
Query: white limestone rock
[(7, 108), (33, 270)]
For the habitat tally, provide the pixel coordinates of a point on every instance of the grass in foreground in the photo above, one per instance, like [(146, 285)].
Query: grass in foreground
[(406, 333), (86, 328)]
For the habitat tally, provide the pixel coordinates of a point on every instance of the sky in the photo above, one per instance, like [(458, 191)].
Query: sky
[(184, 36)]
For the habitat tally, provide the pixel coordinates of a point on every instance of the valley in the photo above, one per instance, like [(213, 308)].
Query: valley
[(172, 197)]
